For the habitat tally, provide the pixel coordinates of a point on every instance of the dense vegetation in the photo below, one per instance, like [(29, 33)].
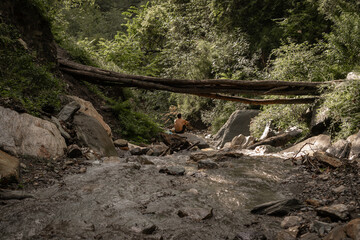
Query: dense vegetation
[(312, 40)]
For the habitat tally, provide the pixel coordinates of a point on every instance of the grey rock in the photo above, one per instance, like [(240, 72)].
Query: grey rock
[(173, 170), (65, 134), (266, 149), (207, 164), (337, 148), (335, 212), (355, 146), (23, 134), (158, 149), (139, 151), (291, 221), (277, 208), (121, 143), (238, 123), (92, 134), (321, 228), (143, 226), (309, 146), (192, 139), (339, 189), (68, 111)]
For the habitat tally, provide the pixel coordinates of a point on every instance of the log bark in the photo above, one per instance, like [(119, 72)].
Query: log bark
[(211, 88), (278, 140)]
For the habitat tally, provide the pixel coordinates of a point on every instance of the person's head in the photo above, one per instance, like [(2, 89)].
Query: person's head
[(179, 115)]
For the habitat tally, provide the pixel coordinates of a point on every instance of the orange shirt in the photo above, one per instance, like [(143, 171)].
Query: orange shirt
[(179, 123)]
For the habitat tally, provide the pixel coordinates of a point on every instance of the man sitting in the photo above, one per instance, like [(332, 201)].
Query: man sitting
[(180, 124)]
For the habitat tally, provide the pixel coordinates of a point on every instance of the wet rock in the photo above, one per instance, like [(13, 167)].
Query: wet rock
[(196, 213), (74, 151), (173, 170), (23, 134), (339, 189), (121, 143), (207, 164), (335, 212), (291, 221), (9, 168), (277, 208), (68, 111), (87, 108), (90, 132), (238, 123), (309, 146)]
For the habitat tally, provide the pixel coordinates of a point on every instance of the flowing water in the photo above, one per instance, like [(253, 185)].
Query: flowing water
[(115, 200)]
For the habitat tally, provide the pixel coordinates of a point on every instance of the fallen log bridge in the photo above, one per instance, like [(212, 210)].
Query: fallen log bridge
[(211, 88)]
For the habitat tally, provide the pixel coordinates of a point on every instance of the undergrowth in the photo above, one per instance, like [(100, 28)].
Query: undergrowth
[(23, 80)]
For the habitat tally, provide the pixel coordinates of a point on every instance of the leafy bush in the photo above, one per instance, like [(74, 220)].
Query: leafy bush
[(343, 102), (23, 80), (135, 126), (282, 116)]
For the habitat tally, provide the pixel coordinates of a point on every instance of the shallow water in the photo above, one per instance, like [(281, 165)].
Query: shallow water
[(116, 201)]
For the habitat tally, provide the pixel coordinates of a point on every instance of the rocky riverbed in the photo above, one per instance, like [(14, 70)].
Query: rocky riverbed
[(188, 195)]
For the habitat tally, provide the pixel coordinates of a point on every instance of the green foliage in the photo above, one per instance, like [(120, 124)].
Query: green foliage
[(299, 62), (135, 126), (283, 117), (343, 102), (23, 80), (344, 41)]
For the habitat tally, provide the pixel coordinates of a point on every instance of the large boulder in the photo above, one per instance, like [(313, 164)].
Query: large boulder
[(309, 146), (23, 134), (238, 123), (9, 168), (92, 134), (320, 120), (87, 108)]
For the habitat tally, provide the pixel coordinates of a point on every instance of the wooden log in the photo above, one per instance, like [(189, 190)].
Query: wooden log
[(278, 140), (252, 83), (328, 160), (260, 101)]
